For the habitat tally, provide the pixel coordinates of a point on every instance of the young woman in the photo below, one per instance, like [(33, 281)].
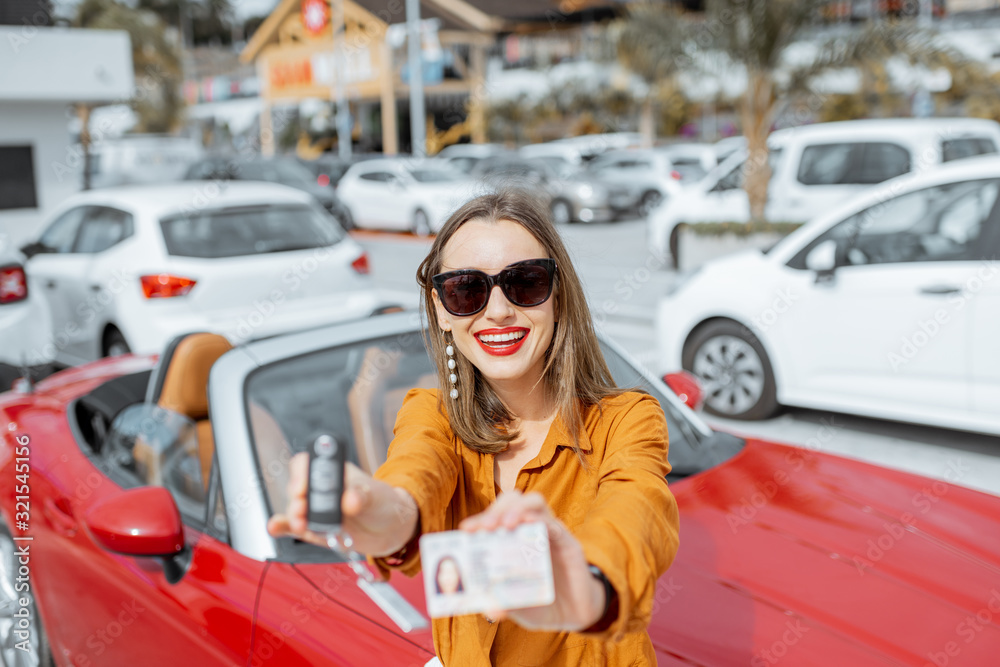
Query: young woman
[(527, 426)]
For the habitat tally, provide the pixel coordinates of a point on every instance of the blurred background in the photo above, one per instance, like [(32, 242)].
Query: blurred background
[(793, 202)]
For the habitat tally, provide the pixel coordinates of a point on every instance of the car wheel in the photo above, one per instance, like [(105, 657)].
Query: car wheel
[(115, 344), (734, 370), (562, 212), (649, 201), (421, 225), (38, 652)]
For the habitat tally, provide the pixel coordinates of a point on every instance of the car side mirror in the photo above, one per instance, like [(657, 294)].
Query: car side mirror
[(32, 249), (687, 386), (823, 259), (143, 522)]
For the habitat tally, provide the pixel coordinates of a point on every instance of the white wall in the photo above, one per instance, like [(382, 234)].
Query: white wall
[(65, 64), (58, 169)]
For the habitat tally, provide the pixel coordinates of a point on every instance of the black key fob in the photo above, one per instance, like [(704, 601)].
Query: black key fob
[(327, 460)]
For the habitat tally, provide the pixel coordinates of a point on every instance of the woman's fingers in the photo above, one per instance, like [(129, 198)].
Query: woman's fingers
[(357, 493), (509, 511)]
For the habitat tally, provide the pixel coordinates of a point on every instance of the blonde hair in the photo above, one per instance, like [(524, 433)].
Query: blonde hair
[(575, 371)]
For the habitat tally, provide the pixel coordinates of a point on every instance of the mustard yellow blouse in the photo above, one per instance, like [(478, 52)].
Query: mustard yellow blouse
[(618, 507)]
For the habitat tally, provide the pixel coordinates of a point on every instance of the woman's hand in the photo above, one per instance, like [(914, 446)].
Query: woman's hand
[(379, 518), (579, 597)]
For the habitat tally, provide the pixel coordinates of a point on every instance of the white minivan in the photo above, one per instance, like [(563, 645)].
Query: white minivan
[(817, 167)]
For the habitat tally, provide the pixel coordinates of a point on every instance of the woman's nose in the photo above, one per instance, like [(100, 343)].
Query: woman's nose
[(499, 308)]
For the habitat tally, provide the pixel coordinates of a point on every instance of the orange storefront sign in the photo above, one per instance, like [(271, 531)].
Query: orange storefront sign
[(290, 74)]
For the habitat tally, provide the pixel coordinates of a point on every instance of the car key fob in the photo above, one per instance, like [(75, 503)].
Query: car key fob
[(327, 460)]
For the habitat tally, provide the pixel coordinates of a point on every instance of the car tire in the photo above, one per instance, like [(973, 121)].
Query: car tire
[(39, 651), (734, 370), (421, 223), (115, 344), (562, 212), (648, 202)]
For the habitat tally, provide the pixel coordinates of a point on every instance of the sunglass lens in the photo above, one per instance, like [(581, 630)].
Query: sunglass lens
[(528, 284), (465, 293)]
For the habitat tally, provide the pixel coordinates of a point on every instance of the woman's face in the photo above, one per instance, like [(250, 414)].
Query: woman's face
[(489, 247), (448, 576)]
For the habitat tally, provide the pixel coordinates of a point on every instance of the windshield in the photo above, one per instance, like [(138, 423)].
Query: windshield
[(249, 230), (435, 175), (354, 392)]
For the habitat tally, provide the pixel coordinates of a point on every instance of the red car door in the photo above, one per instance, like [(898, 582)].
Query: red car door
[(102, 608)]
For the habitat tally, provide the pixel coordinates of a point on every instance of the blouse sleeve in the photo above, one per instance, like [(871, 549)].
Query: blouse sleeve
[(423, 461), (631, 531)]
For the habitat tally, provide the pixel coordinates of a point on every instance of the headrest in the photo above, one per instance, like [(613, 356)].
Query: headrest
[(185, 375)]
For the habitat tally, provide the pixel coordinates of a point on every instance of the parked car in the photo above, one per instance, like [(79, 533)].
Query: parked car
[(691, 160), (24, 322), (888, 306), (282, 170), (403, 194), (574, 195), (127, 269), (649, 175), (464, 157), (329, 168), (816, 167), (158, 477)]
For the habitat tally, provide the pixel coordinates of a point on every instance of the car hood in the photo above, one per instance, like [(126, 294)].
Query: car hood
[(352, 596), (830, 561)]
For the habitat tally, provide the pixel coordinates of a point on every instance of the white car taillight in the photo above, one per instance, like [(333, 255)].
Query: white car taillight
[(361, 264), (13, 284), (164, 285)]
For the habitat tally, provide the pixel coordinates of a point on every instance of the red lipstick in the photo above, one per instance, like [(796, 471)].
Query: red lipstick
[(502, 349)]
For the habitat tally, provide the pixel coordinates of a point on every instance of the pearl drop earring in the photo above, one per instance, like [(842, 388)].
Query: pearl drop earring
[(450, 351)]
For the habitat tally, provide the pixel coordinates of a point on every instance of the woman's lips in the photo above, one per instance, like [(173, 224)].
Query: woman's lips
[(505, 348)]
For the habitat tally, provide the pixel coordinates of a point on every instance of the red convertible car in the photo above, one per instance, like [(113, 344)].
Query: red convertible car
[(134, 494)]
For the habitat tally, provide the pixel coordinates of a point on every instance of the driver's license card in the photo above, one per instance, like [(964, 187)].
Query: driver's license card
[(471, 573)]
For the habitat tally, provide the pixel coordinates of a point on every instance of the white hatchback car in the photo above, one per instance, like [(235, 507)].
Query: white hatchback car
[(888, 306), (403, 194), (817, 167), (128, 269)]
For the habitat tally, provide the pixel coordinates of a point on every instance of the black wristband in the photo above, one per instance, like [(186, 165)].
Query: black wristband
[(610, 595)]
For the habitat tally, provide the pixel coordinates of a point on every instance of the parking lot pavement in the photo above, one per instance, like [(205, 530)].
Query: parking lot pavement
[(967, 459), (624, 282)]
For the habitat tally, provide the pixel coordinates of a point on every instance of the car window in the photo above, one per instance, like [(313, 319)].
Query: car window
[(852, 163), (826, 164), (880, 162), (958, 149), (102, 229), (250, 230), (148, 445), (731, 181), (941, 223), (377, 176), (353, 394), (61, 234), (434, 175)]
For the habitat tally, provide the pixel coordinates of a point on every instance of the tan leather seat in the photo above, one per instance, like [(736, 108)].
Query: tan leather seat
[(185, 387)]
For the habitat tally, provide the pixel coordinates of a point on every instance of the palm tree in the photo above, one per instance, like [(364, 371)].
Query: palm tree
[(155, 60), (754, 34)]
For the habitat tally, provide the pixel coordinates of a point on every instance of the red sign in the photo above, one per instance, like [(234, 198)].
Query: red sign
[(315, 15)]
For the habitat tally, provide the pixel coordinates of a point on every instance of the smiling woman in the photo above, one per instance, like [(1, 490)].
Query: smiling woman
[(530, 427)]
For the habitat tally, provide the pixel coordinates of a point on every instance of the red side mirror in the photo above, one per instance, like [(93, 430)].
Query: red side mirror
[(687, 386), (138, 522)]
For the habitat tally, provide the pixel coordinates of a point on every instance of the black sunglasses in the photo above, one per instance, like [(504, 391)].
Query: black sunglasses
[(467, 291)]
